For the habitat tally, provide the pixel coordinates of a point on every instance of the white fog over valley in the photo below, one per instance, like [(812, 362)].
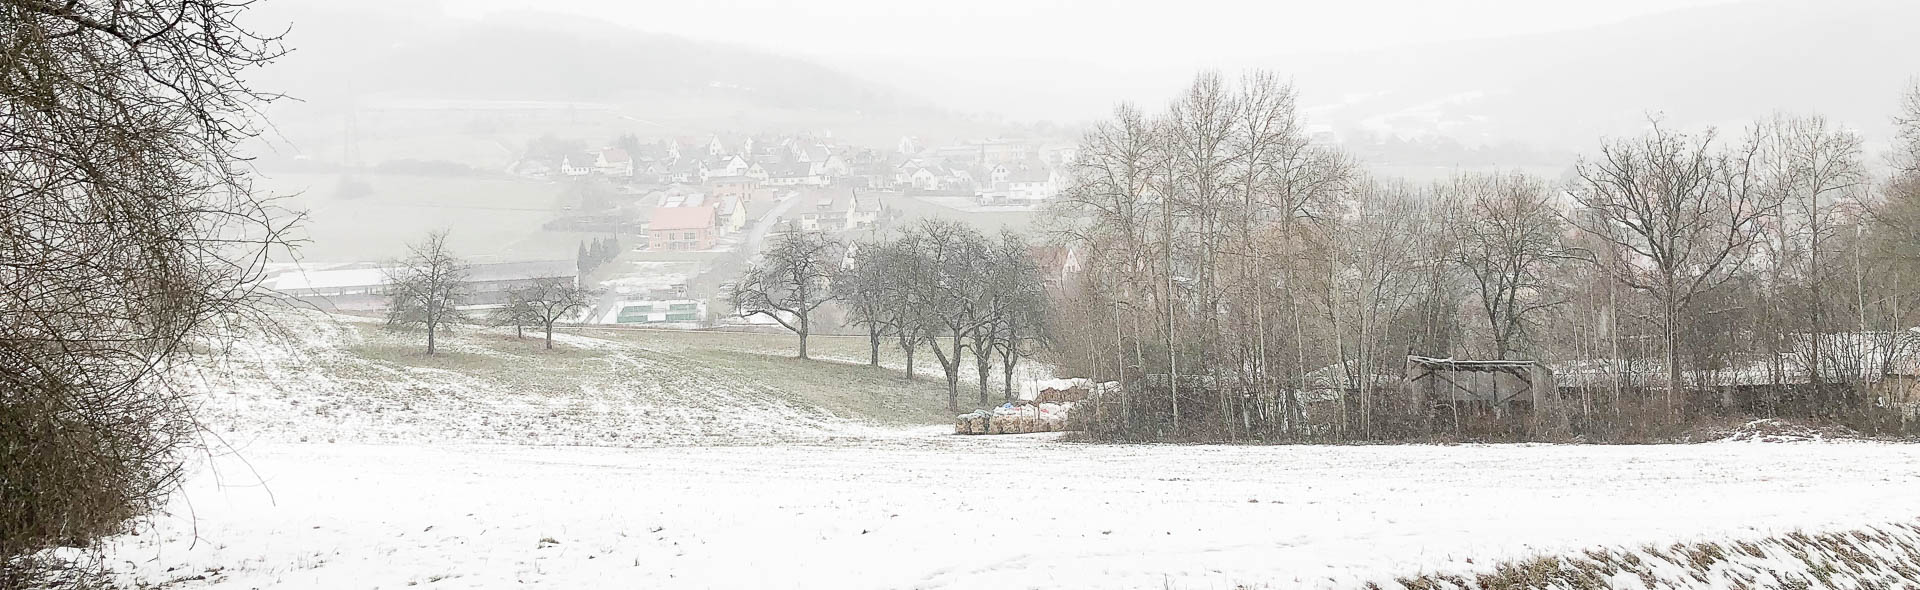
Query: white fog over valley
[(876, 294)]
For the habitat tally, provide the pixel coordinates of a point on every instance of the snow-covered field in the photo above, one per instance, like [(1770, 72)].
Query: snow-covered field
[(924, 510), (658, 460)]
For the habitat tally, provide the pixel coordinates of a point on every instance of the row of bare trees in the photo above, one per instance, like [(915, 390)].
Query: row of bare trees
[(934, 285), (1250, 284)]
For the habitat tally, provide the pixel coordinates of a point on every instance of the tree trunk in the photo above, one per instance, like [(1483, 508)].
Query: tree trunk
[(549, 335), (432, 328), (803, 335), (984, 366), (873, 343), (953, 391), (1007, 363), (910, 350), (1675, 404)]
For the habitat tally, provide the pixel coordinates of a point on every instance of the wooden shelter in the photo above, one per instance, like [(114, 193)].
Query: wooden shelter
[(1499, 384)]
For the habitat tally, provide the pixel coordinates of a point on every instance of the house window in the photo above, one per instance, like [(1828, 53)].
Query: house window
[(690, 236), (683, 317), (683, 307)]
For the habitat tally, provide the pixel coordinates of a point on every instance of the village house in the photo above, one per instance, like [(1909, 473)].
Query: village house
[(577, 164), (733, 214), (682, 228), (613, 162), (1037, 183), (796, 174), (687, 171), (727, 166), (1059, 267), (867, 211), (824, 214), (740, 187)]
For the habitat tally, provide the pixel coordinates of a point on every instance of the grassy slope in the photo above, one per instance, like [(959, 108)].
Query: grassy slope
[(349, 379), (836, 378)]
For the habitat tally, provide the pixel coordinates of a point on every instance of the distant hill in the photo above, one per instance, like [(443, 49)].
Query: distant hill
[(536, 56), (354, 53), (1723, 65)]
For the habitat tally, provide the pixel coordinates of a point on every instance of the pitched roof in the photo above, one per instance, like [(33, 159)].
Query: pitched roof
[(670, 218), (615, 156), (1030, 175), (514, 271), (794, 170)]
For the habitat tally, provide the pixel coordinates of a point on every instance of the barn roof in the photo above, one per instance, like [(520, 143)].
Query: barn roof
[(1450, 364)]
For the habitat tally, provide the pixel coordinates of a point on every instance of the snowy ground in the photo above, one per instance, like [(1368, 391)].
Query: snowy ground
[(922, 510), (714, 461)]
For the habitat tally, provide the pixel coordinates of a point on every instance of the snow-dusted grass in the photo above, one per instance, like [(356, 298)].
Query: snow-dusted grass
[(344, 379), (1870, 557), (931, 511), (715, 460), (721, 346)]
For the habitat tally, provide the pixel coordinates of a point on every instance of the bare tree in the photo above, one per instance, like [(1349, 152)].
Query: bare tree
[(128, 228), (1907, 156), (1370, 257), (903, 312), (794, 278), (1684, 215), (427, 289), (1022, 324), (1807, 165), (1506, 240), (863, 290), (516, 311), (549, 300), (951, 292)]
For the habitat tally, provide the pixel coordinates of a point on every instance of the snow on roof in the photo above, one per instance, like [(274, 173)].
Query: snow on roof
[(669, 218), (677, 199), (794, 170), (527, 269), (615, 156), (298, 280)]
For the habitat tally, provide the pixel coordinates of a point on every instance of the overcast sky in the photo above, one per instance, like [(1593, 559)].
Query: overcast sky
[(1147, 32)]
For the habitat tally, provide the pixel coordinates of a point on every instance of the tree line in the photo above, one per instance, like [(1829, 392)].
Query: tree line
[(935, 285), (1245, 283)]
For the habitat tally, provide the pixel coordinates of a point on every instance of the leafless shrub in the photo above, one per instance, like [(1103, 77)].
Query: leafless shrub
[(128, 228)]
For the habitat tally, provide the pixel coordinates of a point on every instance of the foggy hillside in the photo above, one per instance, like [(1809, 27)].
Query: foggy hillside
[(664, 84), (1719, 64)]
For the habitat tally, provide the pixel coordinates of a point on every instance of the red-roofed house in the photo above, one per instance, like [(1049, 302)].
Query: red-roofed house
[(681, 228)]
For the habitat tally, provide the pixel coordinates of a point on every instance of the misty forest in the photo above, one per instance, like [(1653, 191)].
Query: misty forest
[(871, 294)]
